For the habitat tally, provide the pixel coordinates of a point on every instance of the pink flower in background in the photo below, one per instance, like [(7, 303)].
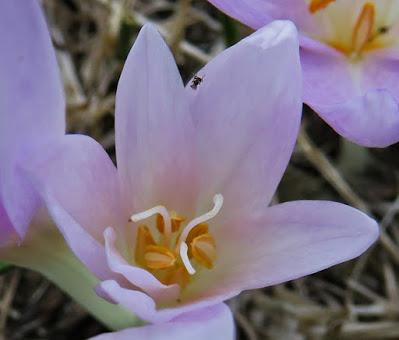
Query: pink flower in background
[(32, 109), (32, 121), (349, 56), (183, 223)]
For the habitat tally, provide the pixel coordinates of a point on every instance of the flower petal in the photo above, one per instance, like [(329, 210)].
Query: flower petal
[(285, 242), (7, 231), (257, 13), (145, 307), (154, 144), (31, 101), (247, 112), (214, 322), (139, 277), (78, 183), (356, 100)]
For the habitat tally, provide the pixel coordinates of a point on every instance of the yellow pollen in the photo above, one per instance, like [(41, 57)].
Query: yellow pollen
[(203, 248), (317, 5), (363, 30), (176, 221), (198, 230), (158, 257), (143, 240), (179, 276)]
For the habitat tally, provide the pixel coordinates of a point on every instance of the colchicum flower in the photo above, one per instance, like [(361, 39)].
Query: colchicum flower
[(31, 109), (350, 60), (183, 224), (32, 120)]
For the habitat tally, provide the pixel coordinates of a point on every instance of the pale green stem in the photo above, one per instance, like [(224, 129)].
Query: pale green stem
[(50, 256)]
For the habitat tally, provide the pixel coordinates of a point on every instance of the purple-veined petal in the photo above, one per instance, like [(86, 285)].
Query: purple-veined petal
[(353, 98), (154, 132), (257, 13), (146, 308), (31, 101), (285, 242), (137, 276), (214, 322), (247, 112), (78, 183)]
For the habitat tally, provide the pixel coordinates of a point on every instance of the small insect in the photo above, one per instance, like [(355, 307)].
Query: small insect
[(196, 82), (383, 29)]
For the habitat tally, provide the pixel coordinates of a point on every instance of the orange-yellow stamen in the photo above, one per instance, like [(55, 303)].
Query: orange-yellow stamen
[(178, 252), (176, 221), (363, 30), (179, 276), (203, 248), (143, 240), (198, 230), (317, 5), (158, 257)]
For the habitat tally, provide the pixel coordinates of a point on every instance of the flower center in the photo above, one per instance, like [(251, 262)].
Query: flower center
[(178, 251), (352, 28)]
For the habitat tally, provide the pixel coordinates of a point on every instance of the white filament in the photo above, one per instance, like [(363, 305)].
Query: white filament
[(153, 211), (183, 248), (184, 257)]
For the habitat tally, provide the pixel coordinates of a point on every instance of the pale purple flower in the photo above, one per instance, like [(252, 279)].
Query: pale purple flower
[(209, 158), (32, 114), (31, 109), (350, 60)]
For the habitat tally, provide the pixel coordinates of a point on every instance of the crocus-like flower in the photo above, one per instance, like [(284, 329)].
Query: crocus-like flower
[(31, 109), (350, 60), (183, 222), (32, 119)]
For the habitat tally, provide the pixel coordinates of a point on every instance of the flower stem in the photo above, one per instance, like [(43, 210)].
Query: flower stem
[(52, 258)]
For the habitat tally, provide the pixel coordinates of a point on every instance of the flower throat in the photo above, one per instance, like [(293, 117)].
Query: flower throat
[(178, 251), (364, 35)]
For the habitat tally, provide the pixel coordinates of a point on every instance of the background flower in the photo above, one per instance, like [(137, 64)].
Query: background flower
[(32, 120), (349, 59)]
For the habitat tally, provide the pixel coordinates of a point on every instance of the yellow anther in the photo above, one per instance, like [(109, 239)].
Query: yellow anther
[(178, 276), (203, 249), (363, 29), (176, 220), (317, 5), (158, 257), (198, 230), (144, 239)]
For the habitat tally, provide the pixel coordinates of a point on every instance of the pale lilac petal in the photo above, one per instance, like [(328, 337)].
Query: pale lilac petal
[(353, 99), (146, 308), (7, 232), (154, 143), (138, 277), (381, 71), (247, 112), (285, 242), (214, 322), (31, 101), (257, 13), (78, 183)]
